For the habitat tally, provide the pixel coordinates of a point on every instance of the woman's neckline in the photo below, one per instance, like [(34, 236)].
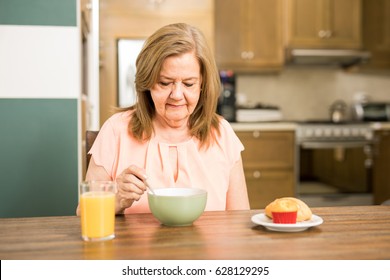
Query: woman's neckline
[(170, 143)]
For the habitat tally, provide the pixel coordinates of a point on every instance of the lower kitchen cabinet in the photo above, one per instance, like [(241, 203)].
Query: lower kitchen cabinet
[(381, 167), (269, 165), (267, 185)]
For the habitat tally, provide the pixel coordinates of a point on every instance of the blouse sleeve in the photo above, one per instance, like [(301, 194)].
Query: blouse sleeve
[(230, 142), (104, 149)]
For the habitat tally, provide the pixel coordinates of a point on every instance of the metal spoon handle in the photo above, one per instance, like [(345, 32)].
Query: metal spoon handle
[(148, 186)]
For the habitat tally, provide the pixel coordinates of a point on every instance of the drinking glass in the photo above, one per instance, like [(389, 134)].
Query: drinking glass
[(97, 210)]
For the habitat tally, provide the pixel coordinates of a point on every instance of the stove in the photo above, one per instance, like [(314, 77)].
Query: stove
[(334, 162), (329, 133)]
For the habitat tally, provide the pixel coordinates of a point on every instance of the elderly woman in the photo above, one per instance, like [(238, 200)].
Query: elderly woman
[(172, 136)]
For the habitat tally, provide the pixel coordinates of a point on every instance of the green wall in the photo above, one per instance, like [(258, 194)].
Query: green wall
[(38, 123), (38, 157), (38, 12)]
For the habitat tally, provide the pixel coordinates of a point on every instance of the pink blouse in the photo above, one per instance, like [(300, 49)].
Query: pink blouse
[(208, 169)]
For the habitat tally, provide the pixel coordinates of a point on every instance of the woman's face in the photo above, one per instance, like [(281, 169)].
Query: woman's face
[(177, 90)]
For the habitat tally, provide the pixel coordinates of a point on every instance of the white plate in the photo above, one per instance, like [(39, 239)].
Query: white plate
[(262, 219)]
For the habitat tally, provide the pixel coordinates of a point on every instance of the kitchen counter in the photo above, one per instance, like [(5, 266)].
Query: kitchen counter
[(265, 126), (358, 232), (380, 125), (285, 126)]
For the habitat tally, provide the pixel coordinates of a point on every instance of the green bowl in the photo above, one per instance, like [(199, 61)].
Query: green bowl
[(177, 206)]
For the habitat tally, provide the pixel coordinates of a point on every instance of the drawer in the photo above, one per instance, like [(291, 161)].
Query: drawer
[(268, 149)]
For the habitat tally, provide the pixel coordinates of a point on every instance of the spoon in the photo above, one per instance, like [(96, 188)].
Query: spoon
[(149, 187)]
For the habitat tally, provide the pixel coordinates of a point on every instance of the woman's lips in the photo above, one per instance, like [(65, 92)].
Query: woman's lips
[(175, 105)]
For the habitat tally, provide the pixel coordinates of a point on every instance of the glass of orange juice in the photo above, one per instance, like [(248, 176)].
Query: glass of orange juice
[(97, 210)]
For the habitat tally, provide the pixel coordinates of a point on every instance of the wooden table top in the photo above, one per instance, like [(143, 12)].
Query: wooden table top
[(357, 232)]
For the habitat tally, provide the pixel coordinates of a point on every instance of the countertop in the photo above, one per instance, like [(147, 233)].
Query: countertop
[(287, 126), (265, 126), (380, 125), (355, 232)]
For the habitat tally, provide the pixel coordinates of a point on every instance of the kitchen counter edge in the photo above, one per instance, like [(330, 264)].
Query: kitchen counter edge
[(282, 126), (270, 126)]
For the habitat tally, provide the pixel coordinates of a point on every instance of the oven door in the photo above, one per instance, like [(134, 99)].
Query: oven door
[(335, 173), (335, 145)]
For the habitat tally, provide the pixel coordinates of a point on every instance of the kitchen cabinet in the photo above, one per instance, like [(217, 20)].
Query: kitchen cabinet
[(248, 35), (324, 24), (381, 167), (269, 160), (376, 32)]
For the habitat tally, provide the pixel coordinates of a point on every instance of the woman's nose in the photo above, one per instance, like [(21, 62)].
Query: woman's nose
[(177, 90)]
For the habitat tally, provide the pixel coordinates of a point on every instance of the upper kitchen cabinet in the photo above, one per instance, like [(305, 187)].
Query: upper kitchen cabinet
[(248, 35), (324, 24), (376, 32)]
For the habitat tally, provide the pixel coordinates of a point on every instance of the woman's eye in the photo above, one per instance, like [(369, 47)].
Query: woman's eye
[(188, 84), (164, 84)]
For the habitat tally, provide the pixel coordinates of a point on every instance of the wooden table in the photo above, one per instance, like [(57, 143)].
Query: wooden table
[(358, 232)]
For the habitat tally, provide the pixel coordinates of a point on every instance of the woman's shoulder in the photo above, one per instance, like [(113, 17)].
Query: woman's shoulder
[(225, 127), (120, 120)]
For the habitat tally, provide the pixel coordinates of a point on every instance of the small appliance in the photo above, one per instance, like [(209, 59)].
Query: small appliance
[(372, 111), (227, 99)]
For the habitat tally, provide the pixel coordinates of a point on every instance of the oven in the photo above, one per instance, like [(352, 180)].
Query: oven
[(335, 161)]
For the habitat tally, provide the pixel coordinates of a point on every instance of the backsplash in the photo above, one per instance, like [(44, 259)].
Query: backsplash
[(307, 92)]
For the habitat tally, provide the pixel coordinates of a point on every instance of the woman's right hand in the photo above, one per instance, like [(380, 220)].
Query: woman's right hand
[(130, 187)]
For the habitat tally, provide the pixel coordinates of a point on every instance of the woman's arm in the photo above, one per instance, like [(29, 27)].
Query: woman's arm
[(237, 196), (130, 184), (97, 173)]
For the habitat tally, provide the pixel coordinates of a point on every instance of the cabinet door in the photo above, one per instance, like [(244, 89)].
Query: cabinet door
[(267, 149), (324, 24), (248, 35), (265, 38), (381, 167), (267, 185), (268, 160), (376, 32), (229, 27)]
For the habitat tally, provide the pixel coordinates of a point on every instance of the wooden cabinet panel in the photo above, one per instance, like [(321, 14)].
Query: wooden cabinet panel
[(248, 35), (376, 32), (268, 159), (268, 149), (324, 24), (381, 168), (266, 185)]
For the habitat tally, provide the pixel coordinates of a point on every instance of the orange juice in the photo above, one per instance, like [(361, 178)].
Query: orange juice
[(97, 210)]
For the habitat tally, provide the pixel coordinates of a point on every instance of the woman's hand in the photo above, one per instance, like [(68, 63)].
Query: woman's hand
[(130, 186)]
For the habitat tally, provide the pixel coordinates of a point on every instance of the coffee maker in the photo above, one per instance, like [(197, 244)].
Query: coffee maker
[(227, 99)]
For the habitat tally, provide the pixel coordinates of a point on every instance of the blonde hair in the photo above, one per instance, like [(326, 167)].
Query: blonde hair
[(172, 40)]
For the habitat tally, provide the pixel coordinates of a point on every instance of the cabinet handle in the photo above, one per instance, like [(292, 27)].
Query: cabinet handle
[(247, 55), (256, 134), (325, 34), (322, 33), (256, 174)]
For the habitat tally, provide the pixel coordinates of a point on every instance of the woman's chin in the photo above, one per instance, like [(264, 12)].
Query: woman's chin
[(177, 122)]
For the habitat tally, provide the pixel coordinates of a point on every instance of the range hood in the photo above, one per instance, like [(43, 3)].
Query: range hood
[(343, 58)]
